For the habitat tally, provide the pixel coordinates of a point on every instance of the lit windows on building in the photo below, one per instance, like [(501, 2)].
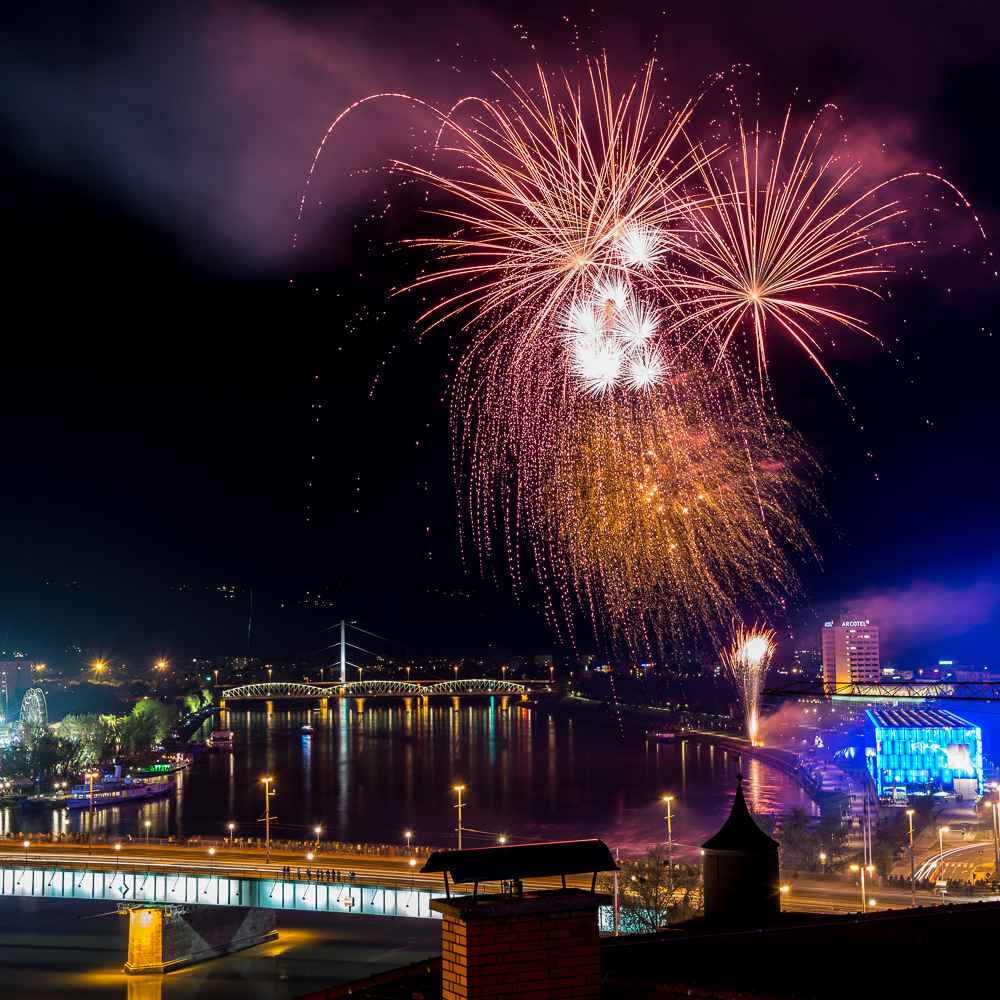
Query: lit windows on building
[(850, 654)]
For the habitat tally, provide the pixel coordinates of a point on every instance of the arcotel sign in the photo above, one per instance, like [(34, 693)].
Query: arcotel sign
[(854, 623)]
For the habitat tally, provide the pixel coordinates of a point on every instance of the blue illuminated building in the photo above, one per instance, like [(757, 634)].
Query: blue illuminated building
[(921, 750)]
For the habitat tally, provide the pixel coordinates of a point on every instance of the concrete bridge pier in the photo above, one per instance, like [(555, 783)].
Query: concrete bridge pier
[(163, 937)]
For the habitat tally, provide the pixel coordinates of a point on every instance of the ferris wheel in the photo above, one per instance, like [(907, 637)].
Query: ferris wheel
[(34, 712)]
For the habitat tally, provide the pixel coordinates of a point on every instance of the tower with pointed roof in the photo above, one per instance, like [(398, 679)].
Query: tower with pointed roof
[(741, 868)]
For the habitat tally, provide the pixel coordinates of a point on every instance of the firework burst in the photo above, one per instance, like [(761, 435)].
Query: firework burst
[(762, 240), (606, 432)]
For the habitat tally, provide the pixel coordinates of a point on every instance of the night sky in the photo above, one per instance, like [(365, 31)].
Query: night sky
[(191, 404)]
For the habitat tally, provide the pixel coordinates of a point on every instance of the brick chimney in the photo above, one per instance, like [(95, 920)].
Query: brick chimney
[(539, 946)]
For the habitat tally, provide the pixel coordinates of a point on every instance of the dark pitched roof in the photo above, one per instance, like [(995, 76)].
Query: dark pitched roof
[(491, 864), (740, 832)]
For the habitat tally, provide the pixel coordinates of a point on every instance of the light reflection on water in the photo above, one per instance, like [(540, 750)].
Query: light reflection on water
[(374, 768)]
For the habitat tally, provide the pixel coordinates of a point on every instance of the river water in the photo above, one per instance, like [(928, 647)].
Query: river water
[(369, 772), (373, 769)]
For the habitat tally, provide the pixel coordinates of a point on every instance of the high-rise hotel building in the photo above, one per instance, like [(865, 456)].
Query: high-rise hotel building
[(850, 653)]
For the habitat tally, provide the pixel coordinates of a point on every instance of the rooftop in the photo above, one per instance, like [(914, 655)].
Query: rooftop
[(917, 718)]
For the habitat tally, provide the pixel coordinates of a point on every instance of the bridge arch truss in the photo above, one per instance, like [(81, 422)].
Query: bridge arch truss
[(269, 690)]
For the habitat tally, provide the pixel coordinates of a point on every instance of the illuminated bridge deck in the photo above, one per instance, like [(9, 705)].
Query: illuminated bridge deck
[(223, 887), (370, 892)]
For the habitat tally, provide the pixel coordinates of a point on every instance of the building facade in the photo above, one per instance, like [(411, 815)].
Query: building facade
[(910, 750), (850, 654)]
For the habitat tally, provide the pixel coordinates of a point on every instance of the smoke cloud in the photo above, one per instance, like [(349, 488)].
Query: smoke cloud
[(925, 612)]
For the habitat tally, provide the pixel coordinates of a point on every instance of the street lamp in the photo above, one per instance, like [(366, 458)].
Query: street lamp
[(267, 816), (147, 834), (231, 826), (90, 831), (211, 861), (670, 833), (118, 848), (942, 830), (913, 881), (862, 869), (408, 835), (822, 858), (317, 837), (503, 840), (996, 848), (26, 845), (459, 789)]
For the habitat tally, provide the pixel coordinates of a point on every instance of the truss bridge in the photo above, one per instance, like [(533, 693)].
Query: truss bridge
[(271, 690)]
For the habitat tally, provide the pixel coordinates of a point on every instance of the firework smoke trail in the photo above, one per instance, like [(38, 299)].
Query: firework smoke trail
[(748, 659)]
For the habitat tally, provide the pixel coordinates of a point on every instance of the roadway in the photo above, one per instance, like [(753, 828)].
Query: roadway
[(804, 895), (815, 896)]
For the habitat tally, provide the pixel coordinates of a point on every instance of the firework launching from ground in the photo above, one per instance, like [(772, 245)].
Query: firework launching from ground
[(748, 659)]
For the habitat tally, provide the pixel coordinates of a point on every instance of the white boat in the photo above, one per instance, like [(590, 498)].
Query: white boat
[(656, 735), (307, 729), (111, 790), (221, 739)]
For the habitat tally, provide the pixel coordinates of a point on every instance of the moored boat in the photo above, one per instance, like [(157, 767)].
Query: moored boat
[(111, 790)]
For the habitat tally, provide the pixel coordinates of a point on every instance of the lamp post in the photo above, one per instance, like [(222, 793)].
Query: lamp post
[(822, 858), (147, 834), (670, 833), (118, 848), (211, 861), (318, 828), (996, 848), (942, 830), (267, 817), (913, 881), (231, 827), (408, 835), (862, 869), (90, 830), (309, 858), (26, 845), (459, 789), (503, 840)]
